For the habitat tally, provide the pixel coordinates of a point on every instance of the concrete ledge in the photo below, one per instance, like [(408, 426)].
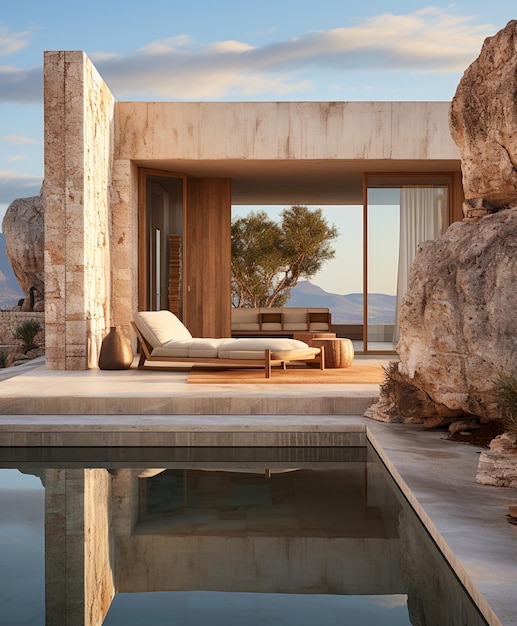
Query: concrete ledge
[(245, 403), (206, 430)]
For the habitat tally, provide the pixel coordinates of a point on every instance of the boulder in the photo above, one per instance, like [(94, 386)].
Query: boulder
[(498, 465), (483, 123), (458, 326), (457, 322), (23, 227)]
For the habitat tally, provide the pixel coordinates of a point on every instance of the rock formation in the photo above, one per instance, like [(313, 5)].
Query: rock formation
[(498, 465), (458, 322), (23, 227), (483, 124)]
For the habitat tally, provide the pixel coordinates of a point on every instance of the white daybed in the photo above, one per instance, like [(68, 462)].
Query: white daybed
[(163, 337)]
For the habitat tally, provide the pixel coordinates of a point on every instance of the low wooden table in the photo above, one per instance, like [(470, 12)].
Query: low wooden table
[(339, 352)]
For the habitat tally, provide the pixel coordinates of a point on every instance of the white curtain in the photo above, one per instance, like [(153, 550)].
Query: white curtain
[(423, 216)]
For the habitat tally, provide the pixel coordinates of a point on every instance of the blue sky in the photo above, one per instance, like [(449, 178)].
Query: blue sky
[(232, 50)]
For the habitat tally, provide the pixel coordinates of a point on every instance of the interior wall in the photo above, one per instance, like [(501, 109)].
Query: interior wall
[(207, 257)]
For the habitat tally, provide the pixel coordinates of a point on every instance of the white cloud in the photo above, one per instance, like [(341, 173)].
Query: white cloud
[(14, 185), (11, 43), (431, 40), (18, 139), (17, 85), (161, 46)]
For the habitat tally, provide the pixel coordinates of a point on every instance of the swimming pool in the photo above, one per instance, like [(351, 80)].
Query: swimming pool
[(216, 536)]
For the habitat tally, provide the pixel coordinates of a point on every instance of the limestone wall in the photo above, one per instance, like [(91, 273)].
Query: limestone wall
[(79, 112)]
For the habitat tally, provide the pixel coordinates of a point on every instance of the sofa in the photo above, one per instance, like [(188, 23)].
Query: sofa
[(279, 321)]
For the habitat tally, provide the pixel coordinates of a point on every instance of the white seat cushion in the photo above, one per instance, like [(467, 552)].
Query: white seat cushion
[(199, 347), (254, 347)]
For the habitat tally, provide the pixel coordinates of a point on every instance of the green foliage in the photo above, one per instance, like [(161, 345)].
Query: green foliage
[(26, 332), (269, 258), (4, 354), (505, 391)]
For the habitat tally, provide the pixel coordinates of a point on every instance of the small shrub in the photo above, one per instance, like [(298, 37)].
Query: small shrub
[(505, 392), (4, 354), (26, 332)]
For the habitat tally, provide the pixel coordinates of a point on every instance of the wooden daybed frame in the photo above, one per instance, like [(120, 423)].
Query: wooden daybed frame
[(267, 363)]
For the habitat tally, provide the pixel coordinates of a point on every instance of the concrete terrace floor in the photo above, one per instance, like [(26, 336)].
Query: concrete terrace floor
[(468, 521)]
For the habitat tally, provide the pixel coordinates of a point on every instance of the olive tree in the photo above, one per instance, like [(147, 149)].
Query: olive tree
[(269, 258)]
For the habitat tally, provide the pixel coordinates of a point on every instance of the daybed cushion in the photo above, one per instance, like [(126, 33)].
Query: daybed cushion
[(253, 348), (200, 347), (158, 327)]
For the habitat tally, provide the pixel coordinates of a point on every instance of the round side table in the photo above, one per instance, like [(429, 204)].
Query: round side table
[(339, 352)]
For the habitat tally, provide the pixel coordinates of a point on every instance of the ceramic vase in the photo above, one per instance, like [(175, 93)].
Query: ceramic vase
[(116, 353)]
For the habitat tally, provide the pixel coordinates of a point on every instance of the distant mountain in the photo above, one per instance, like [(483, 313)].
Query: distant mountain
[(345, 309), (10, 291)]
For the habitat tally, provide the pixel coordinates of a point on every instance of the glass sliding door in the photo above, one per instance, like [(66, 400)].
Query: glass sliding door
[(400, 213), (161, 234)]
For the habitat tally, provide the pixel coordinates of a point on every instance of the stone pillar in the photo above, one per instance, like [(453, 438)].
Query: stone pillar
[(79, 112), (79, 577)]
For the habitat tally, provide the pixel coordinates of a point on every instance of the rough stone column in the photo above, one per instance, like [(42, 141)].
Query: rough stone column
[(79, 112), (79, 576)]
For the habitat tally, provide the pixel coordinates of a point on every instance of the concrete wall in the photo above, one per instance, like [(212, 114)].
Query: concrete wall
[(284, 130)]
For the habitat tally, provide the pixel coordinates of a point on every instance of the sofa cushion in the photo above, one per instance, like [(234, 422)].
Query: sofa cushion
[(241, 315), (318, 326), (295, 326), (236, 326), (271, 326), (295, 316)]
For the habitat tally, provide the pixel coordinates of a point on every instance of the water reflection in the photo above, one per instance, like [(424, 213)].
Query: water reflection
[(285, 536), (22, 565)]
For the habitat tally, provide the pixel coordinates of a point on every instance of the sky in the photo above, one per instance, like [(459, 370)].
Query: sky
[(233, 50)]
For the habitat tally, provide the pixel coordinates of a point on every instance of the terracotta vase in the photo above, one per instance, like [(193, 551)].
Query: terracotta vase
[(116, 353)]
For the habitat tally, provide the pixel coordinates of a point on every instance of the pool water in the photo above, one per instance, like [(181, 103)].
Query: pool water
[(188, 537)]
